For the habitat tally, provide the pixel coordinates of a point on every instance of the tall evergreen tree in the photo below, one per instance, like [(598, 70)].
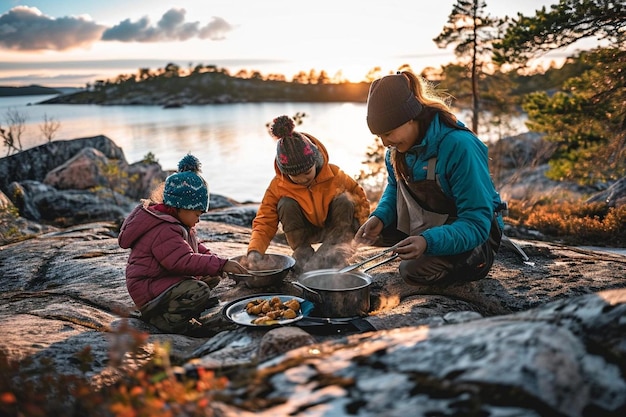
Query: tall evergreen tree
[(472, 31), (565, 23), (587, 117)]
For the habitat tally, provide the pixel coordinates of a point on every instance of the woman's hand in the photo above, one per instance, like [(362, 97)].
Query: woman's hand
[(411, 248), (234, 268), (369, 231)]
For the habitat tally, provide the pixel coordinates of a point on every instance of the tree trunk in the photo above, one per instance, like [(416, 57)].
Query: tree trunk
[(475, 70)]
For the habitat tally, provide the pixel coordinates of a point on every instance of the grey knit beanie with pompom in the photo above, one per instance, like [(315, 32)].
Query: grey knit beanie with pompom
[(295, 153)]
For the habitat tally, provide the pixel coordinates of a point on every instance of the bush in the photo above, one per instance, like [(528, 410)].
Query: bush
[(32, 389), (9, 232), (593, 224)]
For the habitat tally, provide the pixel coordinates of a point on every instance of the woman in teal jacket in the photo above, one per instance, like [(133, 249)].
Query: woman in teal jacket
[(440, 207)]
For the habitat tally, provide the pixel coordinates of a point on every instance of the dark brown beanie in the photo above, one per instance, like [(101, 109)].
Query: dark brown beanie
[(295, 153), (391, 103)]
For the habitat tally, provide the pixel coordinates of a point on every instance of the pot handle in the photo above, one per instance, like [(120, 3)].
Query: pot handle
[(237, 277), (368, 260), (304, 288), (391, 258)]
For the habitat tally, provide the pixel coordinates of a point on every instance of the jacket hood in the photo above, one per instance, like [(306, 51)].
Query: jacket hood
[(138, 222)]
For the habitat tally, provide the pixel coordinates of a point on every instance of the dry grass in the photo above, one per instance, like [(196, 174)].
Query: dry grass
[(572, 223)]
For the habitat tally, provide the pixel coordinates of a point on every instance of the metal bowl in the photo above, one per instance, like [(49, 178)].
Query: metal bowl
[(281, 263)]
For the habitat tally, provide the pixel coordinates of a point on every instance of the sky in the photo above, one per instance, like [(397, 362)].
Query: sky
[(69, 43)]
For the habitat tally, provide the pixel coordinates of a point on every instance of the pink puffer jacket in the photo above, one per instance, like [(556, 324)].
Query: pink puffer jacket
[(163, 253)]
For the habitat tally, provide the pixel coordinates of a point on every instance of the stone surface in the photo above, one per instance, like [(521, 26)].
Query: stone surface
[(83, 171), (64, 183), (539, 336), (531, 339)]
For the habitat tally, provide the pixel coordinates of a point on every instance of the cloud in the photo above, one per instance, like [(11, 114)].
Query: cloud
[(171, 27), (216, 29), (27, 29)]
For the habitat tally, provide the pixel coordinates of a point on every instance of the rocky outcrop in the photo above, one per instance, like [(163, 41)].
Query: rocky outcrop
[(614, 196), (35, 163), (65, 183), (536, 363), (86, 170), (540, 337), (521, 174), (531, 184)]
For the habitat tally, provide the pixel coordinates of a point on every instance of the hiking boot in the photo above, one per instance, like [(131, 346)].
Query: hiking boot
[(198, 330), (211, 281), (212, 302)]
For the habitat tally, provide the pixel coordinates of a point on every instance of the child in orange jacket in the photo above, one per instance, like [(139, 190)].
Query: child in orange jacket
[(313, 200)]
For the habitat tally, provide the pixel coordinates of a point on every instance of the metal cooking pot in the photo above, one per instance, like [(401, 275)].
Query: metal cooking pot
[(339, 293), (276, 267)]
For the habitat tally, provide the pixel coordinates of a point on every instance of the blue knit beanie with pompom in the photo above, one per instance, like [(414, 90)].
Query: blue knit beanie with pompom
[(186, 189)]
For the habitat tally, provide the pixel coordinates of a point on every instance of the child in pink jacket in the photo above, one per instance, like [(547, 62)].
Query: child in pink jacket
[(167, 267)]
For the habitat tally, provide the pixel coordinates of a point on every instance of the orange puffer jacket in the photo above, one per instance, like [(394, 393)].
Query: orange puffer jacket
[(314, 199)]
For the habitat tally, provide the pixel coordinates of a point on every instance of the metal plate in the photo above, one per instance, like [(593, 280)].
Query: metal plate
[(236, 311)]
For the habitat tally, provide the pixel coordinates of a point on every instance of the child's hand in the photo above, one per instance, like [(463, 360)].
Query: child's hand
[(369, 231), (254, 258), (234, 268)]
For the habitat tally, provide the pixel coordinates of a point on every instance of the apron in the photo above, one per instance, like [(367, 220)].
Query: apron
[(422, 204)]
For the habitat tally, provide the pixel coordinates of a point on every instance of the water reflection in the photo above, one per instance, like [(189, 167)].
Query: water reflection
[(231, 140)]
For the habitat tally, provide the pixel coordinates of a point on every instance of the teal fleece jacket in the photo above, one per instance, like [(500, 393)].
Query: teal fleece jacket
[(463, 171)]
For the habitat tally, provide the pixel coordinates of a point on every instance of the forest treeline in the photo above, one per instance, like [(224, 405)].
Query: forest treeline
[(209, 85)]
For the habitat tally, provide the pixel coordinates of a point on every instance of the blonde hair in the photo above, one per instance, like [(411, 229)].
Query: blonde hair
[(435, 100), (157, 193)]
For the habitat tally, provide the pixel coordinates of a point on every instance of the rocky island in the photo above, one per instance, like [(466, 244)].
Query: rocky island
[(215, 87)]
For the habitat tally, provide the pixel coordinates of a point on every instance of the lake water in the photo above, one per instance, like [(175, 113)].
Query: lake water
[(231, 140)]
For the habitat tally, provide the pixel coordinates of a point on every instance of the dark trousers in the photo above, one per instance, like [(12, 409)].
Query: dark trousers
[(335, 236), (172, 310), (340, 225), (443, 270)]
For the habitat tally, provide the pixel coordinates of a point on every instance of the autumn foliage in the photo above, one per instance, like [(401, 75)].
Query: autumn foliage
[(593, 224), (30, 388)]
